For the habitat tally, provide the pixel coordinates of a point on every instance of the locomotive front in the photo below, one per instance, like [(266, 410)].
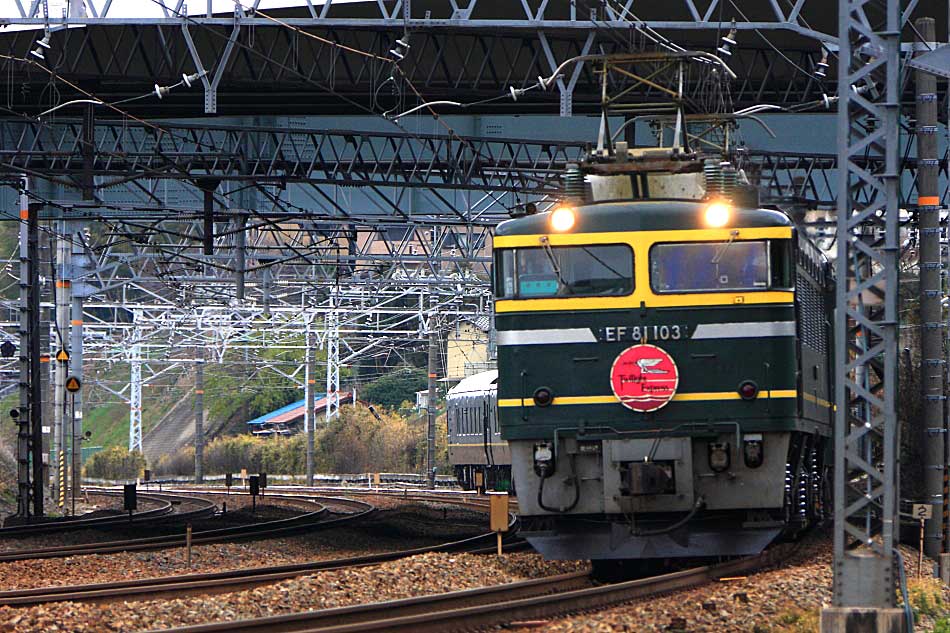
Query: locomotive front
[(663, 377)]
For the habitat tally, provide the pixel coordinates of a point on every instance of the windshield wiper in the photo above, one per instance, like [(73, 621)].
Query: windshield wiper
[(546, 247), (733, 234)]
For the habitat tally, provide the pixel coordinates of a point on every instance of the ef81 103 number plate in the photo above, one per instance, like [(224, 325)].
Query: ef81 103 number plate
[(641, 333)]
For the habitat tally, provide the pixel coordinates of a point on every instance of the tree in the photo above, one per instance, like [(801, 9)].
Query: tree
[(392, 389)]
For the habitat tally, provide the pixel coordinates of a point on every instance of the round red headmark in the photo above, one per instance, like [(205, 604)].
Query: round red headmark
[(644, 378)]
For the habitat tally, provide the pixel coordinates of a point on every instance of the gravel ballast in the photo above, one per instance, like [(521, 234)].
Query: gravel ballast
[(783, 600), (406, 526), (405, 578)]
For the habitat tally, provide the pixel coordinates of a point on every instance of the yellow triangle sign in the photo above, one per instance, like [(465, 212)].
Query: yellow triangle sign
[(62, 355), (72, 384)]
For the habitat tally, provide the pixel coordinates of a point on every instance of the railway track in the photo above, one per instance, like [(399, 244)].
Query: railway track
[(164, 511), (463, 499), (314, 519), (487, 606), (227, 581)]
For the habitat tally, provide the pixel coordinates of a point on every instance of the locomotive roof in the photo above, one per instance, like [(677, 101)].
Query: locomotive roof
[(643, 215), (478, 383)]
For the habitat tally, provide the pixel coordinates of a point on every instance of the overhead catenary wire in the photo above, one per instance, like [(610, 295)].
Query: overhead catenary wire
[(768, 42), (54, 75), (333, 44), (158, 91), (394, 62), (324, 40), (127, 115), (250, 49), (90, 98), (267, 221)]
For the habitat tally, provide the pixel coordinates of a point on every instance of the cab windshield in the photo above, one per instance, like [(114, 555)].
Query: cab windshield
[(720, 266), (602, 270)]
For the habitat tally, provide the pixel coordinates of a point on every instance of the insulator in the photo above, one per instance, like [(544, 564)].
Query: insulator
[(712, 173), (722, 179), (575, 189), (730, 180)]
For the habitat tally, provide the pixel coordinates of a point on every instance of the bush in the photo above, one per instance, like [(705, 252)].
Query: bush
[(799, 621), (116, 463), (355, 442), (392, 389), (926, 596), (358, 441), (181, 462), (942, 626)]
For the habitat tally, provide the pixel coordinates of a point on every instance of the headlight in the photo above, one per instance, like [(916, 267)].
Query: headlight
[(717, 214), (562, 219)]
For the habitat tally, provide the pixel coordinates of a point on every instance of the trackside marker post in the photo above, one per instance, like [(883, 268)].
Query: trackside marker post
[(498, 516), (922, 512), (188, 544)]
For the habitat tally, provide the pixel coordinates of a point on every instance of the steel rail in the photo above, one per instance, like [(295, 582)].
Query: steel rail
[(230, 580), (402, 493), (165, 507), (366, 613), (454, 611), (266, 529), (460, 499)]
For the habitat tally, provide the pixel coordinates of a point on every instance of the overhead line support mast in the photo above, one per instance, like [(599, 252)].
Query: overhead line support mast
[(866, 462)]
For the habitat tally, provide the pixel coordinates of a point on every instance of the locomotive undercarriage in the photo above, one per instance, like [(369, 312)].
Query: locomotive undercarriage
[(673, 498), (496, 477)]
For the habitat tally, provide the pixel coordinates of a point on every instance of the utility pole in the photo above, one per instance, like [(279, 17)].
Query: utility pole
[(200, 417), (78, 264), (79, 289), (60, 347), (266, 281), (430, 405), (309, 418), (35, 399), (26, 486), (240, 252), (930, 434)]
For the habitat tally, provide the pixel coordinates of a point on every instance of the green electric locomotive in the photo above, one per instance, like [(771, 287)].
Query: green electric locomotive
[(664, 375)]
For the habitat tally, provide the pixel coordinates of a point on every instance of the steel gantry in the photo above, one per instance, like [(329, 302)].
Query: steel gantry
[(866, 463), (335, 56), (367, 177), (281, 155)]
